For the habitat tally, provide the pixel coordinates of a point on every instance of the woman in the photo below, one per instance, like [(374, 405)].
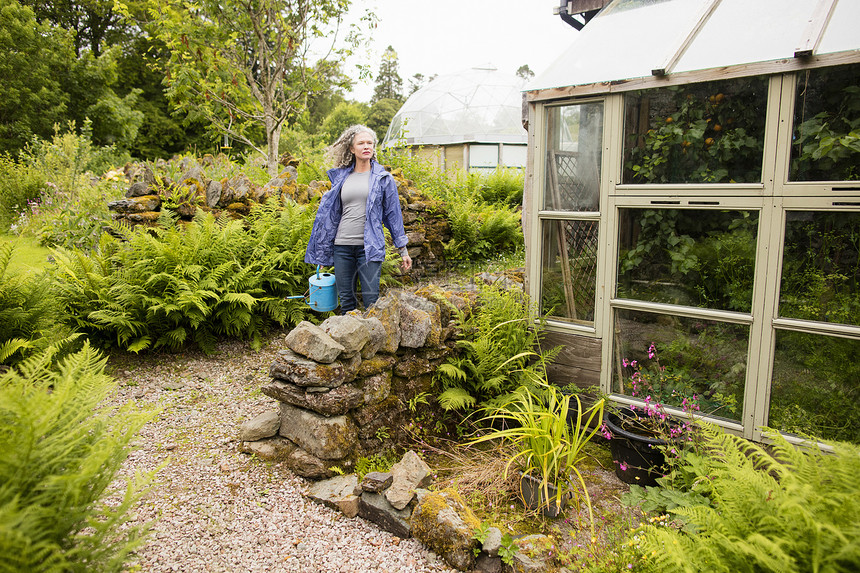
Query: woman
[(347, 231)]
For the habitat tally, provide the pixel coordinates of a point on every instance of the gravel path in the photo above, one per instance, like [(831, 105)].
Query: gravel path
[(216, 509)]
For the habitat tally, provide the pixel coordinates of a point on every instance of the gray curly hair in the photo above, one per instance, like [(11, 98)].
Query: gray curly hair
[(340, 152)]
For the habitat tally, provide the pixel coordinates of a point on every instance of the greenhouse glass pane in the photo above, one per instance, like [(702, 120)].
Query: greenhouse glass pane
[(841, 32), (574, 146), (569, 270), (675, 359), (821, 267), (727, 39), (826, 142), (627, 39), (816, 386), (703, 258), (710, 132)]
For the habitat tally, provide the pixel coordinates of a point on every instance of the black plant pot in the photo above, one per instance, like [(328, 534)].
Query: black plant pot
[(638, 459), (533, 496)]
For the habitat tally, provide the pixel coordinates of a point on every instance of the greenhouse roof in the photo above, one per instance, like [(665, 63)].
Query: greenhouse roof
[(632, 39), (479, 105)]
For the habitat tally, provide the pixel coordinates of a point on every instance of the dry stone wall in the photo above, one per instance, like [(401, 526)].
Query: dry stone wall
[(148, 195), (342, 385)]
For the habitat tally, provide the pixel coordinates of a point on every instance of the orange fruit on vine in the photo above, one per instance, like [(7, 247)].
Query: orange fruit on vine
[(719, 97), (709, 142), (718, 127), (669, 120)]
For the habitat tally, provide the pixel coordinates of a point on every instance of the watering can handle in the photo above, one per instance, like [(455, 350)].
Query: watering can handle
[(318, 272)]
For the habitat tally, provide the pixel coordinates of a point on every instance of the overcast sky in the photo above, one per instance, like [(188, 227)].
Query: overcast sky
[(445, 36)]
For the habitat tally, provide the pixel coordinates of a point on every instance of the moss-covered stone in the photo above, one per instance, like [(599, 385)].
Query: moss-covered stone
[(443, 522)]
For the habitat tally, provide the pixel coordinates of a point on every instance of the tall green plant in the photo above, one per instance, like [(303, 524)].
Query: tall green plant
[(549, 448), (777, 509), (494, 353), (60, 451)]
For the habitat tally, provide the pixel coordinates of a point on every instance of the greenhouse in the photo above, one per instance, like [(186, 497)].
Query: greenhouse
[(692, 210), (470, 119)]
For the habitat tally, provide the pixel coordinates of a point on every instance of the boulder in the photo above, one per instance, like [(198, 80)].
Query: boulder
[(412, 366), (326, 438), (136, 204), (338, 493), (376, 482), (375, 508), (291, 367), (409, 474), (377, 337), (376, 365), (415, 326), (270, 449), (213, 193), (446, 525), (306, 465), (138, 189), (387, 310), (312, 341), (375, 389), (348, 331), (263, 426), (493, 542), (371, 418), (412, 301), (329, 402)]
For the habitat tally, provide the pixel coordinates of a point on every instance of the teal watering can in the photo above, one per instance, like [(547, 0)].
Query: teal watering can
[(322, 293)]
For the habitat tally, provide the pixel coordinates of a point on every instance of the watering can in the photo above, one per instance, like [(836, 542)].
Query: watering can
[(322, 293)]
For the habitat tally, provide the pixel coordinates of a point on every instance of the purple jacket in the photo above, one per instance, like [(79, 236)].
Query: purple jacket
[(383, 207)]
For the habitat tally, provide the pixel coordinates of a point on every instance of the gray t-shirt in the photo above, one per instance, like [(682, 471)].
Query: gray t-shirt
[(353, 196)]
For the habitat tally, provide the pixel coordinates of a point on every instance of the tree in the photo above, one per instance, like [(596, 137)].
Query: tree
[(341, 117), (389, 85), (525, 72), (381, 114), (94, 22), (33, 57), (242, 65)]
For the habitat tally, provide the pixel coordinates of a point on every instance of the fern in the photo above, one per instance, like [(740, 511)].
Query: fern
[(59, 454), (169, 287), (496, 355), (780, 509), (27, 313)]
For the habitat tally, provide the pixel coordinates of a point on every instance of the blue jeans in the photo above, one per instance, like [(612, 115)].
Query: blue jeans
[(350, 267)]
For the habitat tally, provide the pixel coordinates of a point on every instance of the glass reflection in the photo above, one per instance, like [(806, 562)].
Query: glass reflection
[(826, 142), (569, 270), (574, 150), (682, 362), (816, 386), (821, 267), (691, 257), (710, 132)]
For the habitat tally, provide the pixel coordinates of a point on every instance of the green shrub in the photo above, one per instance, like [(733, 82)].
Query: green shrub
[(60, 451), (776, 509), (503, 186), (494, 353), (28, 312), (168, 287), (20, 185)]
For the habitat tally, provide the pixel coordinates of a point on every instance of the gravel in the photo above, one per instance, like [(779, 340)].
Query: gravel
[(216, 509)]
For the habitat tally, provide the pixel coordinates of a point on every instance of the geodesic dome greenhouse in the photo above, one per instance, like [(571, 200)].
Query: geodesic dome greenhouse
[(471, 118)]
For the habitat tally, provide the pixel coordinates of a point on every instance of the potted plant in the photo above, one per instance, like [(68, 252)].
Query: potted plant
[(535, 420), (640, 435)]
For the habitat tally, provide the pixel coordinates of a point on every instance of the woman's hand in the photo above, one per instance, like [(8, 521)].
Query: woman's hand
[(406, 262)]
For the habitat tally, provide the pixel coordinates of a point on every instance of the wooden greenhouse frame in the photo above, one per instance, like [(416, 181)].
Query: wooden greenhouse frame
[(797, 36)]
